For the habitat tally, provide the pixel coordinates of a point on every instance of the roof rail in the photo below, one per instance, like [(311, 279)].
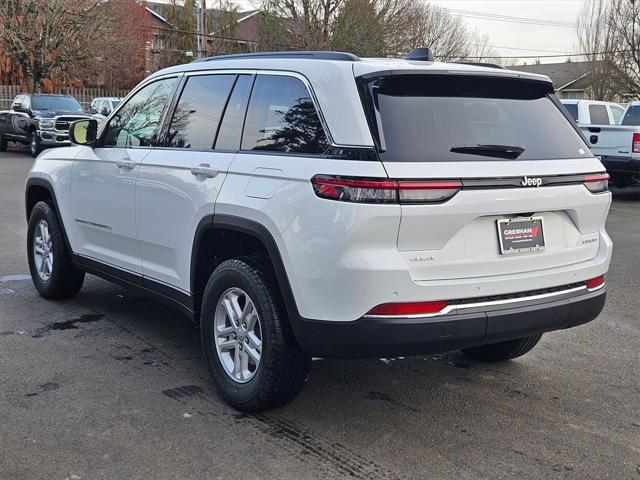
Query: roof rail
[(481, 64), (340, 56)]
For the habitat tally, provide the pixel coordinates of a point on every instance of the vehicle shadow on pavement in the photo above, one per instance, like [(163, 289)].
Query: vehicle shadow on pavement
[(376, 417), (631, 194), (339, 393)]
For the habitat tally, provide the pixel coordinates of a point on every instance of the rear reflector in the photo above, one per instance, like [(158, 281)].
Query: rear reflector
[(595, 282), (404, 309), (635, 145), (363, 190), (597, 183)]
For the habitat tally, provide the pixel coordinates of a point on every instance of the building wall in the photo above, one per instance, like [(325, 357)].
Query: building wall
[(571, 94)]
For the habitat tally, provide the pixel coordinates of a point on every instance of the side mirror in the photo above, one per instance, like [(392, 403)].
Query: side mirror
[(84, 132), (104, 111)]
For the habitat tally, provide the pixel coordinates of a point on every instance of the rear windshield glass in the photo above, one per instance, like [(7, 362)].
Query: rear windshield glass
[(632, 116), (60, 104), (572, 108), (436, 118)]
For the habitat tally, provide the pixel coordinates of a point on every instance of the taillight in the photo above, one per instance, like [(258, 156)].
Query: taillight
[(597, 183), (635, 143), (371, 190), (408, 309), (595, 282), (427, 191)]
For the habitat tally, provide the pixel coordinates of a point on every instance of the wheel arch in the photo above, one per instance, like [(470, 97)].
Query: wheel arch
[(40, 189), (218, 223)]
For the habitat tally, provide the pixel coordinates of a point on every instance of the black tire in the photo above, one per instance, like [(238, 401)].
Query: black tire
[(3, 143), (34, 144), (283, 368), (64, 280), (498, 352)]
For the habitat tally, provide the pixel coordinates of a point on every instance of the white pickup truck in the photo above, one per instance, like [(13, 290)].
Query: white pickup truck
[(618, 146)]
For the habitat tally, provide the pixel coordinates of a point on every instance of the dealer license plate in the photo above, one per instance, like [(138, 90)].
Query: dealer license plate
[(520, 235)]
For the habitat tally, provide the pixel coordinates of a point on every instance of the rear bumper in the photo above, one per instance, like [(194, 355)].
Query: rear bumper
[(388, 337)]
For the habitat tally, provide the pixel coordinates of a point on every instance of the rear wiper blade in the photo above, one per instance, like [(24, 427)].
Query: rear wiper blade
[(500, 151)]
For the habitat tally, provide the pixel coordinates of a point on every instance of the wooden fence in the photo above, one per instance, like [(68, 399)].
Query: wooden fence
[(83, 95)]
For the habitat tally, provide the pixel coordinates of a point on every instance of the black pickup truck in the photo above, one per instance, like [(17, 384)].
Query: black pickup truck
[(40, 121)]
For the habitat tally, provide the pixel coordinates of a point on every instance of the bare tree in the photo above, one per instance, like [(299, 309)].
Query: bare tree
[(181, 16), (222, 26), (312, 19), (359, 28), (433, 26), (596, 41), (47, 38), (609, 37), (371, 27)]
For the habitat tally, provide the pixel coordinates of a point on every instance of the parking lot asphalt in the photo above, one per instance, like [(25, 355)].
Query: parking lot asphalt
[(110, 385)]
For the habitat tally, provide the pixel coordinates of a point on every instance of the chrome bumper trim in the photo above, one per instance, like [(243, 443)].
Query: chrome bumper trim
[(456, 308)]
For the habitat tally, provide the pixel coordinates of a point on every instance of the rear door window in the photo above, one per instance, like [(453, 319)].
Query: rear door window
[(446, 118), (197, 115), (598, 115), (282, 118), (632, 116)]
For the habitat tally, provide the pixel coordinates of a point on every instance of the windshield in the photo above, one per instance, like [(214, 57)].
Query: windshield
[(632, 116), (60, 104), (438, 118)]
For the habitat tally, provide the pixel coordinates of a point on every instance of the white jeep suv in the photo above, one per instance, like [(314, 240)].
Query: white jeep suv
[(307, 204)]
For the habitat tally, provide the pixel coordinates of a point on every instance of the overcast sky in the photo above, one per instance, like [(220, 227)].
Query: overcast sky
[(512, 38), (552, 39)]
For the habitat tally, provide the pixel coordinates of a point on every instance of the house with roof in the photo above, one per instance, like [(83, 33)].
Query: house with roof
[(571, 80), (234, 31)]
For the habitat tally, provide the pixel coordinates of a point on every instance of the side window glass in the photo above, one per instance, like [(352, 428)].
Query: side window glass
[(616, 113), (282, 118), (231, 127), (598, 115), (572, 108), (197, 115), (136, 124)]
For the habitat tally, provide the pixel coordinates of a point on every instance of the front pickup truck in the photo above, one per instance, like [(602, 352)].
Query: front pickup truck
[(40, 121), (618, 147)]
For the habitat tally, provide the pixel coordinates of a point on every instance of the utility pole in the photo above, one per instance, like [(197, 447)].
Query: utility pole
[(147, 59), (198, 29), (203, 22)]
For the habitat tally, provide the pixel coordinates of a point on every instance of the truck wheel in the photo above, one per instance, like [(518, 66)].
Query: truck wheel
[(497, 352), (3, 143), (52, 271), (34, 144), (246, 338)]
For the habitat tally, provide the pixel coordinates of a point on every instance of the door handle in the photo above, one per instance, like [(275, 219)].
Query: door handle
[(126, 163), (206, 170)]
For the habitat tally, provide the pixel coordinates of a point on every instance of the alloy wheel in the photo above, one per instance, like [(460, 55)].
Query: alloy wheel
[(43, 250), (238, 335)]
